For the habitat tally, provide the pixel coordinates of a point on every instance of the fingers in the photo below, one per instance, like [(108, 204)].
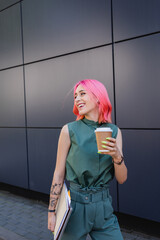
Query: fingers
[(110, 145), (51, 224), (111, 139), (51, 227)]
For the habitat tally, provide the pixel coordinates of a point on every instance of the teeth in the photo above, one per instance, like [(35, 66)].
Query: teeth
[(81, 105)]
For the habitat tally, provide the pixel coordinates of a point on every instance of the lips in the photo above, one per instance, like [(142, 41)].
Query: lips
[(81, 105)]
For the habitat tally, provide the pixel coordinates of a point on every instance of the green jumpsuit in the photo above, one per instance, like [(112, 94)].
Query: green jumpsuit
[(89, 174)]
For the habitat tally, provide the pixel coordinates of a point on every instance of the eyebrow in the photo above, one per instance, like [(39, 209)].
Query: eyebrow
[(79, 91)]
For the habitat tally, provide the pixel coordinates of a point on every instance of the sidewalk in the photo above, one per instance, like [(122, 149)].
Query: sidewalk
[(26, 219)]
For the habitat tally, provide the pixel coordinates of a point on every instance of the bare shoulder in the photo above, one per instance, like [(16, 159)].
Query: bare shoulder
[(65, 129), (65, 134)]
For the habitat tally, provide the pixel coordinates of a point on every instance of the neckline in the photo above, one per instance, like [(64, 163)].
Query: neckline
[(90, 122)]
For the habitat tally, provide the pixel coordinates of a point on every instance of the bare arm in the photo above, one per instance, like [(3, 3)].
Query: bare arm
[(115, 150), (59, 174), (120, 170)]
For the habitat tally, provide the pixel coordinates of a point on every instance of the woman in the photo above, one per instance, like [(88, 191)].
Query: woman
[(88, 171)]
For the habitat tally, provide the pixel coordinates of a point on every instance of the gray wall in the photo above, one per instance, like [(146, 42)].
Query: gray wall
[(47, 46)]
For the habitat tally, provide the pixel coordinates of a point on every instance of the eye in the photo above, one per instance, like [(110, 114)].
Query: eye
[(83, 93)]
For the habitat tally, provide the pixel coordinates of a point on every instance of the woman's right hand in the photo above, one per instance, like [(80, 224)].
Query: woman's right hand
[(51, 221)]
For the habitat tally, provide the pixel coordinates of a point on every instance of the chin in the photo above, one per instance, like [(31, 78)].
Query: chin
[(82, 112)]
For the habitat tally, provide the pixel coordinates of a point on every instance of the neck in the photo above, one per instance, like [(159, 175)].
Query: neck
[(94, 116)]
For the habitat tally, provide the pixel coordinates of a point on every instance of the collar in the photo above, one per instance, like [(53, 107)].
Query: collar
[(91, 122)]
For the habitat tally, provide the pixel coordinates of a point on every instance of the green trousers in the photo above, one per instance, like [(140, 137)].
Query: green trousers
[(92, 214)]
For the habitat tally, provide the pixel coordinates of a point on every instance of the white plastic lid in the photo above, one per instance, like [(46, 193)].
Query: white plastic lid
[(106, 129)]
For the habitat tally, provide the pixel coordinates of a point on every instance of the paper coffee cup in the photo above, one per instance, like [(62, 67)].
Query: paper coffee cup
[(101, 135)]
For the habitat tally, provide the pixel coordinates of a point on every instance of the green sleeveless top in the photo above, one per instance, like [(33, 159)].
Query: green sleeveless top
[(84, 166)]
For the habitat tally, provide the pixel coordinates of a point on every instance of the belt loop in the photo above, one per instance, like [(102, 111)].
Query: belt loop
[(73, 196)]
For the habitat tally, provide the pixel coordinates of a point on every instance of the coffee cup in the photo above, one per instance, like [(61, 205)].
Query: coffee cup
[(101, 135)]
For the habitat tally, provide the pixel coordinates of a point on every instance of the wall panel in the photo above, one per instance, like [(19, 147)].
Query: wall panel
[(137, 82), (42, 157), (56, 27), (13, 157), (140, 195), (135, 18), (6, 3), (49, 85), (12, 113), (52, 28), (10, 37)]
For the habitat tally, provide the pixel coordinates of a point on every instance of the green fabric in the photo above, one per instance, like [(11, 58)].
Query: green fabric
[(93, 217), (84, 166)]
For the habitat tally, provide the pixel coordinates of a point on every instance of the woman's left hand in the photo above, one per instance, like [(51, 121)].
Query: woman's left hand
[(114, 147), (111, 145)]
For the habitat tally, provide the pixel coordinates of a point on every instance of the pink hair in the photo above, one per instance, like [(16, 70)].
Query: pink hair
[(97, 89)]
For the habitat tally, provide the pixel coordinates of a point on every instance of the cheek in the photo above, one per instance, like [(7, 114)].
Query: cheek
[(93, 103), (88, 100)]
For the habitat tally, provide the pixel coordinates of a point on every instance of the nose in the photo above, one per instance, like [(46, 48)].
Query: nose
[(77, 98)]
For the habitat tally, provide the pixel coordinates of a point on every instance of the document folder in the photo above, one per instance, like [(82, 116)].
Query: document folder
[(63, 212)]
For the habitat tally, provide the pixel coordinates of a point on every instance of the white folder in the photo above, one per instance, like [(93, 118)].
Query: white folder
[(63, 212)]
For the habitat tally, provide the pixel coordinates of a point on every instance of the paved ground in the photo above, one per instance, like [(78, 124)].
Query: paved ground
[(26, 219)]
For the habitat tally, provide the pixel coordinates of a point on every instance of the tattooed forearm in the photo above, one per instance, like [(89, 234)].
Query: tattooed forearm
[(56, 188), (53, 202), (54, 194)]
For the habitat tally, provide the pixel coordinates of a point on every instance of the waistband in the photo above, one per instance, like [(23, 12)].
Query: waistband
[(87, 196), (79, 188)]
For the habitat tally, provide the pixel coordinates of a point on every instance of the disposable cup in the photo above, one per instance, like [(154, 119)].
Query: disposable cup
[(101, 135)]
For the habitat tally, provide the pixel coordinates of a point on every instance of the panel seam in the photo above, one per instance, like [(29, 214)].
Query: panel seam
[(25, 106), (114, 89)]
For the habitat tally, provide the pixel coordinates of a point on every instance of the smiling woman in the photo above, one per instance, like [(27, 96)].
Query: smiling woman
[(88, 171), (98, 94), (85, 104)]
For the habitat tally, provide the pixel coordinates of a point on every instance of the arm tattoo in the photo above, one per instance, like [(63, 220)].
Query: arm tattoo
[(56, 188), (53, 202), (54, 194)]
